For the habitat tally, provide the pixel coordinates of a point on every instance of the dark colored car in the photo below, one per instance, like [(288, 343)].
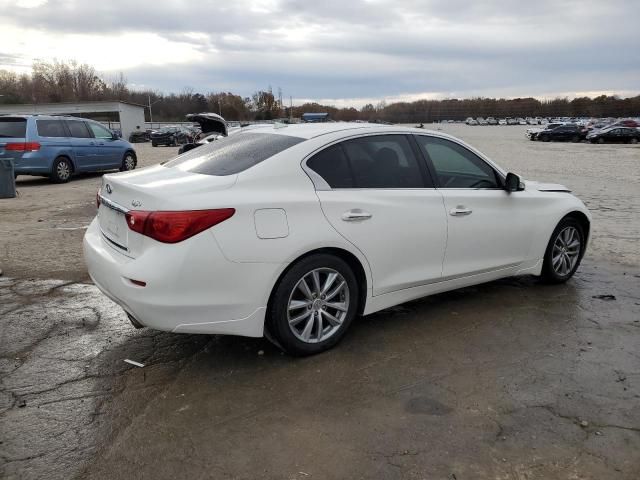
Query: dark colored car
[(564, 133), (170, 136), (212, 125), (615, 135)]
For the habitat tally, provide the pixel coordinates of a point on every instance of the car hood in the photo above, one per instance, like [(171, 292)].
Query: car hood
[(545, 187), (209, 122)]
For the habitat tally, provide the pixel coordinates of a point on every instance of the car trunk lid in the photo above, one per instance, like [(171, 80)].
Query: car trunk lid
[(151, 189)]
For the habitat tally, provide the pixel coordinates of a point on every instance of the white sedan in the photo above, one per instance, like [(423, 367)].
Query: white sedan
[(291, 231)]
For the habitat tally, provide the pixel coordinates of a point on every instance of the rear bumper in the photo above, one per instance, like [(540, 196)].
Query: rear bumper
[(32, 163), (190, 287)]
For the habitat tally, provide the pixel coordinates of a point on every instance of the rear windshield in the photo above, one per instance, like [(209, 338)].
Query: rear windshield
[(13, 127), (234, 154)]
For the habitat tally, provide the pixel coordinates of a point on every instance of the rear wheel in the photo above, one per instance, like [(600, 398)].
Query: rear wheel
[(564, 251), (633, 141), (313, 305), (154, 144), (62, 170)]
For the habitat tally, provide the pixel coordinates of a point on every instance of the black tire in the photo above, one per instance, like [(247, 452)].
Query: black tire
[(62, 170), (154, 144), (575, 139), (129, 162), (633, 141), (545, 138), (277, 322), (549, 273), (601, 140)]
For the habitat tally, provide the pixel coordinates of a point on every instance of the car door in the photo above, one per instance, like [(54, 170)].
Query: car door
[(108, 150), (487, 228), (378, 195), (83, 145)]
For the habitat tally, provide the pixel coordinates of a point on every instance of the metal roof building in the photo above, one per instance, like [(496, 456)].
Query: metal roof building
[(130, 115)]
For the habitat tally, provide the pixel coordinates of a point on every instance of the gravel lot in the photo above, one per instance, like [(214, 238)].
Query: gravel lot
[(511, 380)]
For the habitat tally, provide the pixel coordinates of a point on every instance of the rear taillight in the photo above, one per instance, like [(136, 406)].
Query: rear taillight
[(22, 147), (174, 227)]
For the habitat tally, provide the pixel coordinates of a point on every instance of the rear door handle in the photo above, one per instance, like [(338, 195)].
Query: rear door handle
[(355, 215), (460, 211)]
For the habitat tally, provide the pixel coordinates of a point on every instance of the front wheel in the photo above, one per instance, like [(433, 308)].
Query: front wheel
[(564, 251), (313, 305), (545, 138), (128, 162)]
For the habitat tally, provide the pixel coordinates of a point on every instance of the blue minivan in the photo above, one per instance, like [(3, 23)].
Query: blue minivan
[(59, 146)]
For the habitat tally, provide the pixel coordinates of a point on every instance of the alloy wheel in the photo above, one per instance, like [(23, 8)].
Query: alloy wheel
[(318, 305), (129, 162), (63, 171), (566, 251)]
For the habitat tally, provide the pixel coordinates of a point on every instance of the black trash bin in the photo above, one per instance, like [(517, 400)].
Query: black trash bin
[(7, 179)]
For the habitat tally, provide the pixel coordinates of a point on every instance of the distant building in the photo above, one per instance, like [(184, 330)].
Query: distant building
[(315, 117)]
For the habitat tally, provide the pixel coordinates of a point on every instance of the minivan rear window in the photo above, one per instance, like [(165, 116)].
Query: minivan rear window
[(11, 127), (234, 154)]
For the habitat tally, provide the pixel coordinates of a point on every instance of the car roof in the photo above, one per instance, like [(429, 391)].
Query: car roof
[(313, 130), (46, 117)]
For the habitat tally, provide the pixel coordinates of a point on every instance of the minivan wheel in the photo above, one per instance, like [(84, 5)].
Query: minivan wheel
[(128, 162), (313, 305), (62, 170), (564, 251)]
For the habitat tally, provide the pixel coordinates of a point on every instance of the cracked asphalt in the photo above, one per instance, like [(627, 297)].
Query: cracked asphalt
[(509, 380)]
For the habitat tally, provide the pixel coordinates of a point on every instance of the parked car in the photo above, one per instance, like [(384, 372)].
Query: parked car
[(471, 121), (481, 121), (511, 121), (291, 231), (502, 121), (60, 146), (492, 121), (614, 135), (211, 124), (139, 136), (568, 132), (170, 136), (626, 123), (532, 133)]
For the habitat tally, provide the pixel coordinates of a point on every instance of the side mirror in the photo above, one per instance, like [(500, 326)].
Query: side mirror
[(114, 136), (512, 183)]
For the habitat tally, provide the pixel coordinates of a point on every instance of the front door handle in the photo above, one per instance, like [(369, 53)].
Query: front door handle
[(460, 211), (355, 215)]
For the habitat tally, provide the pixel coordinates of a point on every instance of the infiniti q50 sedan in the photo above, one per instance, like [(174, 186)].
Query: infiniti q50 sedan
[(291, 231)]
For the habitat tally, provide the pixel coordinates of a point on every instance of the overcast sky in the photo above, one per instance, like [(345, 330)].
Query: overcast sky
[(341, 52)]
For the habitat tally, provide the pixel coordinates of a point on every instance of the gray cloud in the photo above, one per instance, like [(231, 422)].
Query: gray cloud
[(372, 48)]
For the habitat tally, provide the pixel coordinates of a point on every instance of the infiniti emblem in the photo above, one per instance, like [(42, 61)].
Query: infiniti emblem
[(136, 203), (108, 188)]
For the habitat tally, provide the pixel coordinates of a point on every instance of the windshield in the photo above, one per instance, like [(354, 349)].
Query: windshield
[(230, 155), (13, 127)]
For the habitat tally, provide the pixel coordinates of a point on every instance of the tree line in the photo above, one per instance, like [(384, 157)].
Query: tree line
[(74, 82)]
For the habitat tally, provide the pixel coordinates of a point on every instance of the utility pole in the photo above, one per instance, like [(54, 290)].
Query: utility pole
[(150, 113), (290, 108)]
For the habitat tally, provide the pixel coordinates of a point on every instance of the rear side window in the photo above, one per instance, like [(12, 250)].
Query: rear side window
[(78, 129), (99, 131), (51, 128), (333, 166), (378, 161), (234, 154), (13, 127)]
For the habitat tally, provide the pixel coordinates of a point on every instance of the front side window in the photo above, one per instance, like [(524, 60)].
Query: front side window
[(455, 166), (51, 128), (99, 131), (234, 154), (78, 129), (378, 161)]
